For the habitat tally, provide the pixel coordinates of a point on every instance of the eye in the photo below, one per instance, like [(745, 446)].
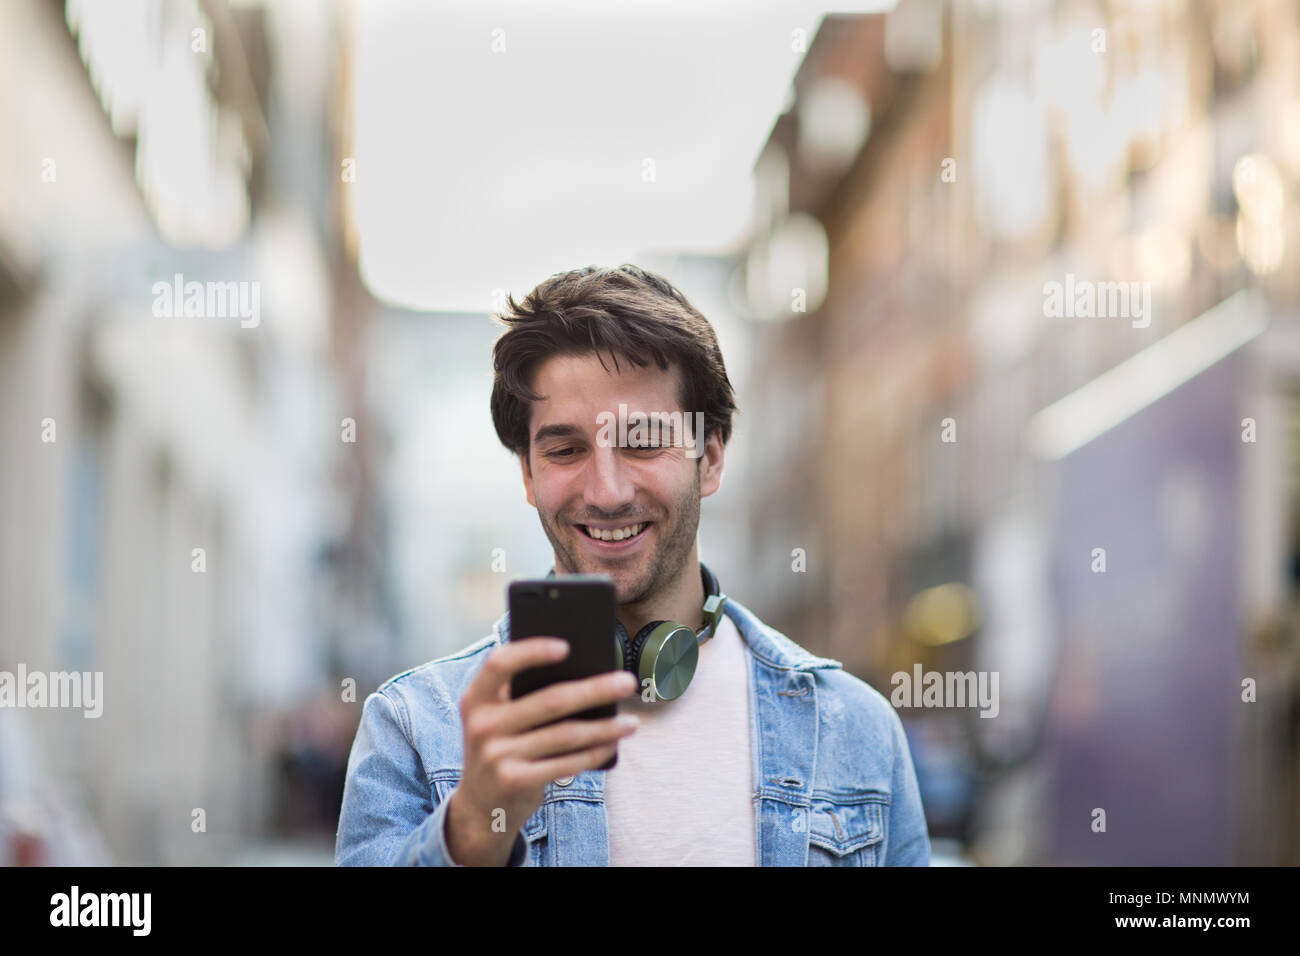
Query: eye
[(649, 444), (562, 453)]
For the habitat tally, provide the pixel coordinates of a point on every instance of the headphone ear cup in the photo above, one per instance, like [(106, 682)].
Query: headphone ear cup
[(666, 654), (638, 642), (622, 650), (632, 657)]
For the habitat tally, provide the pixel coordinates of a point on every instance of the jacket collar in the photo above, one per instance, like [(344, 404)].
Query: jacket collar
[(766, 643)]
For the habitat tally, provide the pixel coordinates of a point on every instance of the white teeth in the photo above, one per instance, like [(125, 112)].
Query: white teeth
[(617, 534)]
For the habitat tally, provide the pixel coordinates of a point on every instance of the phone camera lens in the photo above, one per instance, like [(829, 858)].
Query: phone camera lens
[(554, 593)]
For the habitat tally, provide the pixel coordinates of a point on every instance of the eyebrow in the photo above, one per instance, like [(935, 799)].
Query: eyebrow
[(660, 422), (556, 431)]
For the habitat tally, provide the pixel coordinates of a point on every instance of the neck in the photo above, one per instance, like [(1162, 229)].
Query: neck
[(681, 600)]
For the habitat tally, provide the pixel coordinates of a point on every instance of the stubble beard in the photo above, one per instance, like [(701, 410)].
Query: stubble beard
[(664, 564)]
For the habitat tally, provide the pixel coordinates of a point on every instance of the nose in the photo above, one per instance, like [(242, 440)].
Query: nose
[(609, 485)]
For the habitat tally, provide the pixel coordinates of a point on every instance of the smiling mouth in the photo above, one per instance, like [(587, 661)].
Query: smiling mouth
[(624, 535)]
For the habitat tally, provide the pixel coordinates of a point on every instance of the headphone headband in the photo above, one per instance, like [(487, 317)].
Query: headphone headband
[(714, 599)]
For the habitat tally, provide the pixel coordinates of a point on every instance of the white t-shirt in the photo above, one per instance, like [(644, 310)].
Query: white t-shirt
[(681, 793)]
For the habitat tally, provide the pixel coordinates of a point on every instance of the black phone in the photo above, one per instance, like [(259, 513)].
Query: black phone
[(580, 609)]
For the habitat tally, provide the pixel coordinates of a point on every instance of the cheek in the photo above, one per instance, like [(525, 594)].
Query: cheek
[(672, 488), (550, 492)]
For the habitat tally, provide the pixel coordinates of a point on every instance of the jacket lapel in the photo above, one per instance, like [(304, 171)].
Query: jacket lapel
[(783, 709)]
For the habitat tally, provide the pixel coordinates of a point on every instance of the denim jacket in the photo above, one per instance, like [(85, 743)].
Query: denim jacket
[(833, 781)]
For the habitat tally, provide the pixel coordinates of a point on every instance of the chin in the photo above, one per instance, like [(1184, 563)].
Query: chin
[(627, 575)]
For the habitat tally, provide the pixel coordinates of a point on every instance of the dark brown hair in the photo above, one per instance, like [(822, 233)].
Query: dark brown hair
[(623, 311)]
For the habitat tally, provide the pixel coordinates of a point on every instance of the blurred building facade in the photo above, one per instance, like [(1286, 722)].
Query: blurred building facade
[(1006, 147), (179, 510)]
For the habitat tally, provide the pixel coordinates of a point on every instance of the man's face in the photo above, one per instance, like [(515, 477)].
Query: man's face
[(576, 480)]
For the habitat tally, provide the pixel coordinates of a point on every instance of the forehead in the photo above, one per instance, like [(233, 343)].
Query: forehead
[(575, 388)]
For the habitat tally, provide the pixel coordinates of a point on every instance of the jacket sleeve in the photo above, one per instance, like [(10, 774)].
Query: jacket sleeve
[(389, 817), (909, 840)]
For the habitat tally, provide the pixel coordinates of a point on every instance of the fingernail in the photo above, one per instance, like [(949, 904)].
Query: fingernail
[(628, 721)]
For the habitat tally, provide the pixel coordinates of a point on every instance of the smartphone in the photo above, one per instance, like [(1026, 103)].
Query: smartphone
[(580, 609)]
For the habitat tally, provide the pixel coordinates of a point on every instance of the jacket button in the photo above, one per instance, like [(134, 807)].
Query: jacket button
[(563, 781)]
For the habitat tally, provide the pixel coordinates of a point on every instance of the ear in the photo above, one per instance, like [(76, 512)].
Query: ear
[(528, 478), (711, 467)]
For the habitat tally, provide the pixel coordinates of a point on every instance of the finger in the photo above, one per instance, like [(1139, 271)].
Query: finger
[(572, 735), (560, 700), (543, 772), (504, 662)]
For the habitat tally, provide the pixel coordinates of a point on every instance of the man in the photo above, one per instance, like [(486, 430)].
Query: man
[(771, 756)]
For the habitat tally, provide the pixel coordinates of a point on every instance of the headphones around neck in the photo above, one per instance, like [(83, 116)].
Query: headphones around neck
[(664, 654)]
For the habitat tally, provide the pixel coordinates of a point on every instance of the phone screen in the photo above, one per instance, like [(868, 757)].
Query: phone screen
[(578, 608)]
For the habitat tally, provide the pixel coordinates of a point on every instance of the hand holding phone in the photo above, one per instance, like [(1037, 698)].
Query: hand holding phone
[(515, 745)]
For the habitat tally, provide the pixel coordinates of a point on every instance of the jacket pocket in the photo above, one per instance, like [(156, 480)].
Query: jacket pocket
[(847, 829), (443, 782)]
